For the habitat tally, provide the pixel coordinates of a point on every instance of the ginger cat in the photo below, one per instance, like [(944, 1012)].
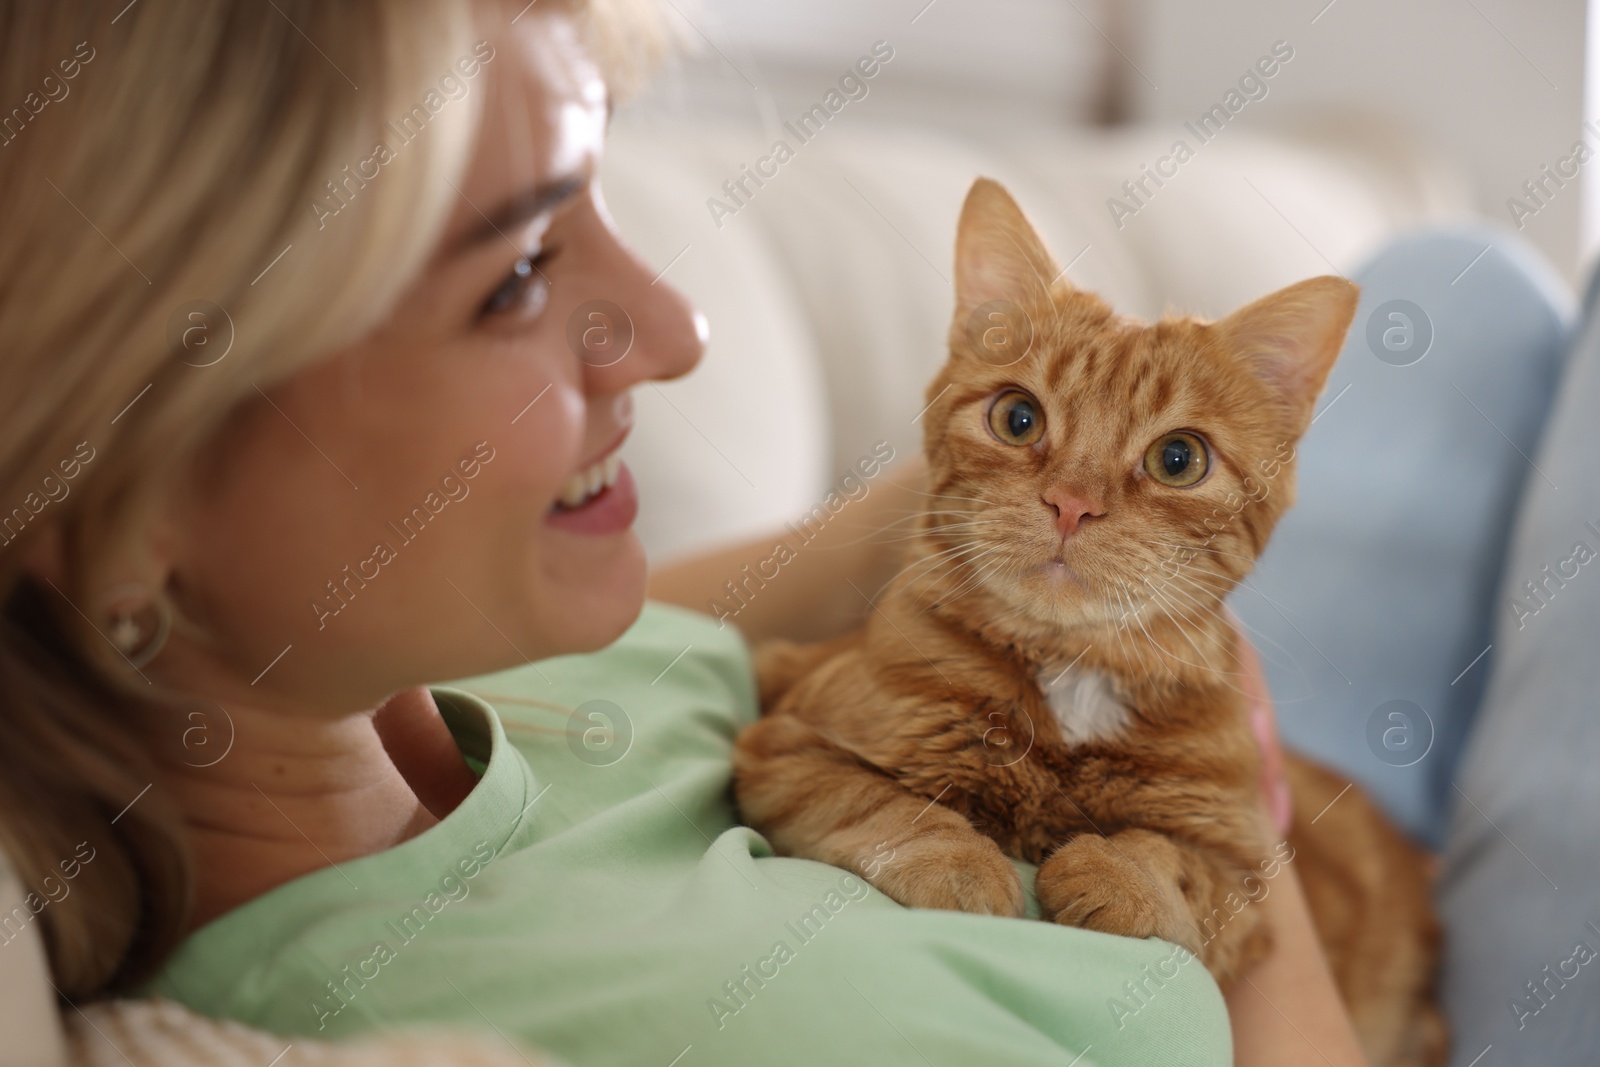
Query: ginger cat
[(1053, 678)]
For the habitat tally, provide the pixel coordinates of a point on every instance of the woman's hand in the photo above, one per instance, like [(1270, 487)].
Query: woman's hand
[(1274, 788), (1286, 1009)]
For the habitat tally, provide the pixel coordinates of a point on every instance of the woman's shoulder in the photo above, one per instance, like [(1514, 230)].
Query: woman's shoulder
[(665, 646), (676, 677)]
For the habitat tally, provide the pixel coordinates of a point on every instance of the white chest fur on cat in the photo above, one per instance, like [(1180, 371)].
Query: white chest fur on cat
[(1084, 704)]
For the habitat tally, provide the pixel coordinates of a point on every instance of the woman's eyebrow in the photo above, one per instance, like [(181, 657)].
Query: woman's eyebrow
[(519, 208)]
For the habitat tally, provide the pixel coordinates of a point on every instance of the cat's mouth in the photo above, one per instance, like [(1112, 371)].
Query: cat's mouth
[(1060, 574)]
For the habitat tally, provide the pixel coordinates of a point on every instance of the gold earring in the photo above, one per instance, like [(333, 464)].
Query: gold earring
[(139, 631)]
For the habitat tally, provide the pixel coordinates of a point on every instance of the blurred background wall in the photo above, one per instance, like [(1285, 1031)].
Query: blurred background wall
[(1495, 87)]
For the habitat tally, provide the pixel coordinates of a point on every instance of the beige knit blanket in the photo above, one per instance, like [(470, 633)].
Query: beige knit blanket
[(163, 1033)]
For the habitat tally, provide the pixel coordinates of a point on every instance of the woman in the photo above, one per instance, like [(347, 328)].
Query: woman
[(298, 424)]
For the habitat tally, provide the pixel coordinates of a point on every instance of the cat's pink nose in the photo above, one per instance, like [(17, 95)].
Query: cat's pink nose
[(1071, 509)]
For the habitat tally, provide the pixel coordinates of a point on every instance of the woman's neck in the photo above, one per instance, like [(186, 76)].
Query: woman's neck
[(294, 795)]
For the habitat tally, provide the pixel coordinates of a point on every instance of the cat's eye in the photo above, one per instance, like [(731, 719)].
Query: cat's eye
[(1015, 418), (1177, 459)]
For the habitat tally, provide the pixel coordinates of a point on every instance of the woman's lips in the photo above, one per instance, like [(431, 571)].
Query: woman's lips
[(610, 511)]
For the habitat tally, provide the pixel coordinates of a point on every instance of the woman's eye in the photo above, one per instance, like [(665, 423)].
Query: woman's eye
[(525, 288), (1015, 418), (1177, 459)]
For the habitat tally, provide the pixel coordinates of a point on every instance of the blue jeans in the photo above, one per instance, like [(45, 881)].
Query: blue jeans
[(1430, 625)]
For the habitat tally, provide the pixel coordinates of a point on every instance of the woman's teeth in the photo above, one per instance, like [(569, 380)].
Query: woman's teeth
[(588, 483)]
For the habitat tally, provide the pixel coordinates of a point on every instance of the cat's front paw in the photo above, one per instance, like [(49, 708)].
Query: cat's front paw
[(953, 869), (1102, 884)]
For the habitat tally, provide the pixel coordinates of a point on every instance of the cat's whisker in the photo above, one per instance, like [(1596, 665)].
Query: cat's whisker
[(972, 562), (1131, 604), (913, 514), (1217, 588), (1205, 592), (946, 529), (1199, 605), (944, 552), (942, 527), (1260, 639), (931, 576), (1207, 602), (909, 520), (996, 563), (935, 509), (1139, 647), (927, 565), (1154, 644), (983, 578), (1128, 611), (973, 578), (1105, 602), (1223, 677), (946, 495), (1157, 588), (952, 496), (1120, 610), (1163, 603), (1199, 548), (1163, 654), (932, 562), (976, 540), (1127, 641), (1011, 572), (1218, 565), (913, 520), (1167, 607)]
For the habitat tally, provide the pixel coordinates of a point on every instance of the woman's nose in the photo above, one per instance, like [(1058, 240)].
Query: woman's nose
[(643, 329), (674, 332)]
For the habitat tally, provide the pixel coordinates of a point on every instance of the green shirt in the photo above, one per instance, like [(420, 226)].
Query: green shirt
[(595, 896)]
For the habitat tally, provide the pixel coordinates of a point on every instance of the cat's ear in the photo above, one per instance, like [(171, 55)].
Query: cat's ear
[(999, 255), (1290, 339)]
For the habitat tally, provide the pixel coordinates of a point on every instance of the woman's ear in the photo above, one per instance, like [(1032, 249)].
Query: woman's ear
[(143, 562)]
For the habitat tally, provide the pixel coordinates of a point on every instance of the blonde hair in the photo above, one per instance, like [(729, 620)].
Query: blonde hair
[(152, 156)]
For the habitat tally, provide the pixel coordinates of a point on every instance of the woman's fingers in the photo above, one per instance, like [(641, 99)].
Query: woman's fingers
[(1275, 790)]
